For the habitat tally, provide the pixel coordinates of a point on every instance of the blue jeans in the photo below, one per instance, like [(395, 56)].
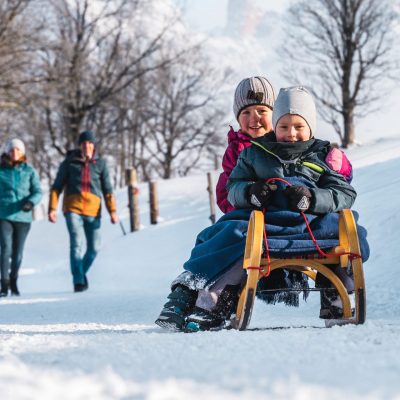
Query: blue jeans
[(80, 226), (12, 240)]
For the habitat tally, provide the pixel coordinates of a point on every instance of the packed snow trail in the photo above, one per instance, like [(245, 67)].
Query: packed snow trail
[(103, 344)]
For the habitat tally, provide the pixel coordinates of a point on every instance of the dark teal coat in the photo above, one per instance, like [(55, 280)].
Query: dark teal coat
[(305, 161), (19, 183)]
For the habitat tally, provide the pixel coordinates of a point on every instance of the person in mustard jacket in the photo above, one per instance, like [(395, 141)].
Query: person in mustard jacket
[(84, 177), (20, 191)]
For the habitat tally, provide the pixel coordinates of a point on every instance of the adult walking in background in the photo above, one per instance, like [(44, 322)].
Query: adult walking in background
[(83, 176), (20, 191)]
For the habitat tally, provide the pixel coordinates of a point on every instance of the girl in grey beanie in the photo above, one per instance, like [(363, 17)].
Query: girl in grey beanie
[(255, 90)]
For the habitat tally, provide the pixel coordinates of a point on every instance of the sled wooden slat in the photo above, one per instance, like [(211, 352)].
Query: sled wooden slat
[(252, 259), (348, 243)]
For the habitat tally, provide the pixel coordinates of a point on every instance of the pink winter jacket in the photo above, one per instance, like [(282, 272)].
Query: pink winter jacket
[(338, 161), (237, 141)]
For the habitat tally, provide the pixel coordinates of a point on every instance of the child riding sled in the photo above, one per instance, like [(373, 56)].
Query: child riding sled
[(205, 295)]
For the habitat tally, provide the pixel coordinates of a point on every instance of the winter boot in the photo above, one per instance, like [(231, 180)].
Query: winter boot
[(180, 304), (331, 304), (79, 287), (204, 320), (14, 287), (4, 287)]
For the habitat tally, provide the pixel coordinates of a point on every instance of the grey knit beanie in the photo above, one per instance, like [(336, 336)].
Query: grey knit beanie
[(295, 100), (15, 143), (256, 90)]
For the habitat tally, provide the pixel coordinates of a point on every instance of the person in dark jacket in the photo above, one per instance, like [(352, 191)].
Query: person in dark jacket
[(294, 155), (20, 191), (84, 177)]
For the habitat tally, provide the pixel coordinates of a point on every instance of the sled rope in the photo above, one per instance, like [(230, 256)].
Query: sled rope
[(262, 271)]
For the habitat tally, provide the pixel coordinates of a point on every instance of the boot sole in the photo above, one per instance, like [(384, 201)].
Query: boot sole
[(168, 325)]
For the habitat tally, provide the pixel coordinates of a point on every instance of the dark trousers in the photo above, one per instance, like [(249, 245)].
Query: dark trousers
[(12, 240)]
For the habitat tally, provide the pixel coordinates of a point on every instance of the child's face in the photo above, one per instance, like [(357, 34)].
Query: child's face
[(256, 121), (292, 128)]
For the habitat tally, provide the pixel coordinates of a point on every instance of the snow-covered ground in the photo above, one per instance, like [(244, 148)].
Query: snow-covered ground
[(102, 344)]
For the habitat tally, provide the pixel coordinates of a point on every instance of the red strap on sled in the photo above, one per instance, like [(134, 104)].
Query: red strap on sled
[(351, 255)]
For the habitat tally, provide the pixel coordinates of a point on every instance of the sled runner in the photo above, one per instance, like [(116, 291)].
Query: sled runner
[(346, 254)]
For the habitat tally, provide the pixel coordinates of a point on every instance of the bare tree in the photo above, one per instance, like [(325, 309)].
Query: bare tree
[(93, 55), (13, 44), (342, 49), (19, 33), (120, 68), (182, 117)]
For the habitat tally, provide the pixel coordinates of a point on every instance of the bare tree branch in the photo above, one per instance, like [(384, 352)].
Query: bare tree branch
[(346, 50)]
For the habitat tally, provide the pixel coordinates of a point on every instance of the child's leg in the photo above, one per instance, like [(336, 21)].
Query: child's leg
[(331, 304), (208, 298), (215, 305)]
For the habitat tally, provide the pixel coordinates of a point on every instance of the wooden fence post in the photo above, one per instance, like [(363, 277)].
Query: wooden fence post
[(133, 199), (210, 190), (153, 203)]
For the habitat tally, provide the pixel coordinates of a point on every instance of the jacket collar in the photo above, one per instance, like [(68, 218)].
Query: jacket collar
[(289, 151), (234, 136), (76, 155), (6, 161), (244, 137)]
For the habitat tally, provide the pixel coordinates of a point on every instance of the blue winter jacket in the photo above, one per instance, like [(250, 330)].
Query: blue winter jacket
[(19, 183), (305, 161)]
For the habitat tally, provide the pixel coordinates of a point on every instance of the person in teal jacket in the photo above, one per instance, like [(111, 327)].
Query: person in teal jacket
[(20, 191)]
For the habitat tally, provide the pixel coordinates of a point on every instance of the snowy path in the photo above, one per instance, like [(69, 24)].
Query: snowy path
[(102, 344)]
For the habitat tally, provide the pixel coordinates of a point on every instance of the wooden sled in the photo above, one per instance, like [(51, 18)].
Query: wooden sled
[(254, 264)]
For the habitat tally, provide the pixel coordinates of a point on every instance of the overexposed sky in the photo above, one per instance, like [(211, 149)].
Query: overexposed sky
[(208, 15)]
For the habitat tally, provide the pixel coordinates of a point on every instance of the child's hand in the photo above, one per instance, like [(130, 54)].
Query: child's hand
[(260, 194), (299, 197)]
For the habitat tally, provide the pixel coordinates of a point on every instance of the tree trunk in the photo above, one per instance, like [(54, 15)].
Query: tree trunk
[(348, 128)]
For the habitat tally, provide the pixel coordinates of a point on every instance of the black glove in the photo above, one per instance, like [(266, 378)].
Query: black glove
[(299, 197), (27, 206), (260, 194)]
